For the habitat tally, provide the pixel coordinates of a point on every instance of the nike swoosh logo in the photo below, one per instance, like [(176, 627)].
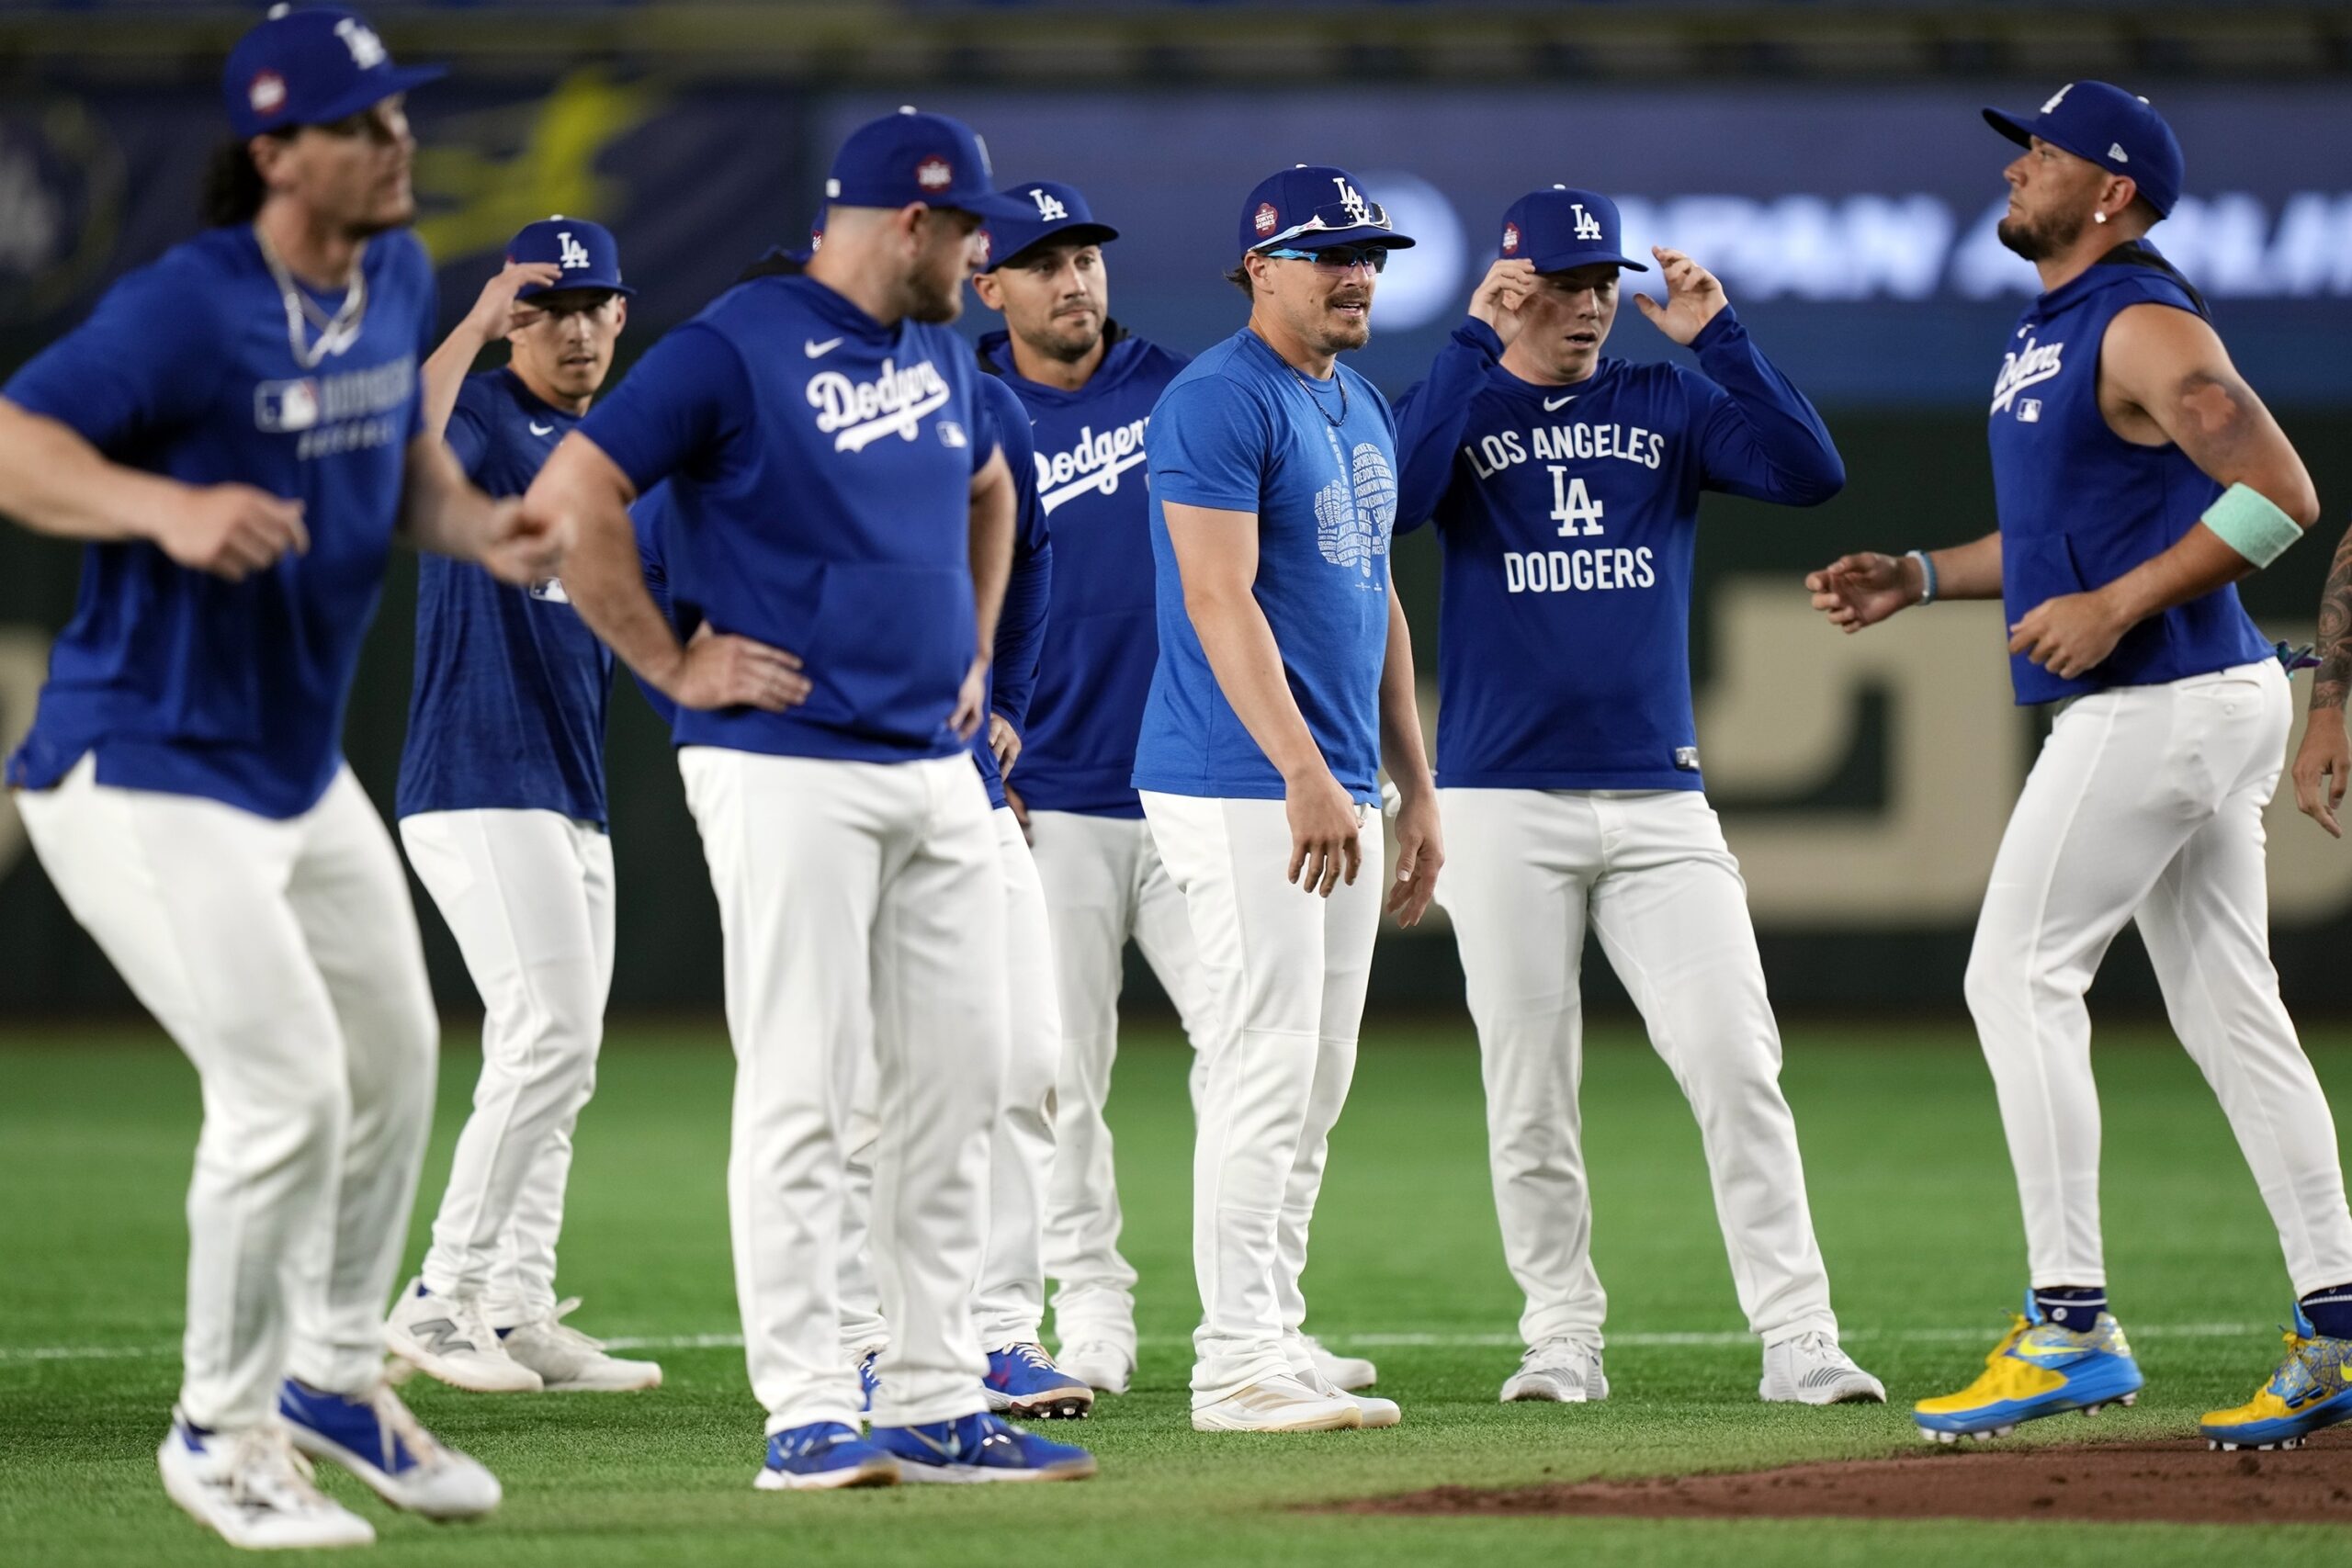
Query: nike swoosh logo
[(538, 429), (1552, 405), (819, 350)]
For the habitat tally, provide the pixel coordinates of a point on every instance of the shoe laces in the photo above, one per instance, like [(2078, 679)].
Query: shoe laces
[(1032, 1353), (551, 1324), (1819, 1345), (397, 1419), (472, 1326), (266, 1471), (1558, 1350)]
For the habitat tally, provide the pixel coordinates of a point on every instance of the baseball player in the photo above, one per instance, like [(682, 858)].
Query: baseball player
[(834, 490), (1286, 675), (2138, 477), (1564, 488), (501, 809), (235, 434)]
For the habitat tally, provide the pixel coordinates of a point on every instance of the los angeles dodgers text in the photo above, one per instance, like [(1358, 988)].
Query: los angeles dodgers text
[(1491, 454)]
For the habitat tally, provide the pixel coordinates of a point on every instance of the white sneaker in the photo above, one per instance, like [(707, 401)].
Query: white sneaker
[(1346, 1373), (1375, 1411), (253, 1489), (1811, 1370), (1284, 1402), (374, 1436), (448, 1338), (1103, 1366), (1564, 1371), (570, 1361)]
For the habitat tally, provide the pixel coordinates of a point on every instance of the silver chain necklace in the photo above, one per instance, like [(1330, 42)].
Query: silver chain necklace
[(1315, 397), (336, 333)]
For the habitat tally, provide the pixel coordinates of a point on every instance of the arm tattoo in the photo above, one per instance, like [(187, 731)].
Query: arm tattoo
[(2333, 678), (2217, 419)]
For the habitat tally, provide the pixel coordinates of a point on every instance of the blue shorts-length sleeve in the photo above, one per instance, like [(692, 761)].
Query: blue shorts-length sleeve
[(149, 357), (686, 397), (1208, 445)]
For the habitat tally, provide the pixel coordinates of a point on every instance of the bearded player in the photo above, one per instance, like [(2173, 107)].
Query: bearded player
[(1564, 488), (2138, 477)]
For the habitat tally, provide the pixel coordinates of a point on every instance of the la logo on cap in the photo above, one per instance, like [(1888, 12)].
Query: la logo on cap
[(1511, 239), (266, 92), (1267, 218), (934, 173)]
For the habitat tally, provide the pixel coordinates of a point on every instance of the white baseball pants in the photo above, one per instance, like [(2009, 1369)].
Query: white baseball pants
[(2146, 803), (862, 906), (283, 957), (528, 895), (1103, 885), (1008, 1304), (1283, 975), (1526, 871)]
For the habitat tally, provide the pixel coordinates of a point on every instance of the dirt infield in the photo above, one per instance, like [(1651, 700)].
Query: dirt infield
[(2170, 1483)]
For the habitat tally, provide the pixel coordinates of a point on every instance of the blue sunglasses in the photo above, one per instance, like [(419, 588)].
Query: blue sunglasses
[(1336, 258)]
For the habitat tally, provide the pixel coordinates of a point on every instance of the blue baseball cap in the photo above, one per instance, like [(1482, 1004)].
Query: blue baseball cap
[(1056, 212), (2118, 132), (1560, 230), (909, 157), (585, 251), (1310, 206), (311, 67)]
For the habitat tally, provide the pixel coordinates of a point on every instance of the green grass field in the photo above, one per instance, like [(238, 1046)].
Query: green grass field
[(1911, 1193)]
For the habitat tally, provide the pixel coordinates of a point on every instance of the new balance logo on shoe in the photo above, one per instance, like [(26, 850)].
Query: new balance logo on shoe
[(440, 1336)]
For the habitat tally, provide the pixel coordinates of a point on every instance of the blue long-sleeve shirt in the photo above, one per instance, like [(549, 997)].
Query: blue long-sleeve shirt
[(1021, 625), (1568, 517)]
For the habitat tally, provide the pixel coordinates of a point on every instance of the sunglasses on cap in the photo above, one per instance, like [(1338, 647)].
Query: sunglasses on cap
[(1335, 258), (1334, 216)]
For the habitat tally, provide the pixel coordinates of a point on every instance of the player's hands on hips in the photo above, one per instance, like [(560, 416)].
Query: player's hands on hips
[(971, 702), (1499, 295), (495, 314), (1004, 742), (1862, 590), (2322, 763), (1420, 851), (519, 548), (1693, 294), (723, 670), (1324, 823), (232, 531), (2068, 634)]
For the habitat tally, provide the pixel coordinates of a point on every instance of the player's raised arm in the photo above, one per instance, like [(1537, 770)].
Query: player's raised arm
[(1432, 417), (495, 314)]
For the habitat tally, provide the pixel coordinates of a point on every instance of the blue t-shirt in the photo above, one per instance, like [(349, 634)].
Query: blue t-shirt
[(507, 712), (1021, 625), (1079, 750), (1568, 518), (184, 683), (1241, 431), (819, 469)]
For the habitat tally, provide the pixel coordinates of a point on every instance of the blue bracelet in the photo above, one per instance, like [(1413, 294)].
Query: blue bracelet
[(1927, 575)]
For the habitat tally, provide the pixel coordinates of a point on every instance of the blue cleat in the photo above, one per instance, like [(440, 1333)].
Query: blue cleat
[(980, 1448), (823, 1456), (2311, 1389), (374, 1436), (2037, 1370), (1023, 1381)]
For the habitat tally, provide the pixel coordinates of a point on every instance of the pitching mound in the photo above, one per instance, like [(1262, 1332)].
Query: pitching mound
[(2170, 1483)]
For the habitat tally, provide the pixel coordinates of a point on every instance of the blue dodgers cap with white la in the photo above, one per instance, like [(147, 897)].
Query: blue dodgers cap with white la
[(2121, 132), (1054, 211), (1311, 206), (313, 66), (909, 157), (586, 254), (1560, 230)]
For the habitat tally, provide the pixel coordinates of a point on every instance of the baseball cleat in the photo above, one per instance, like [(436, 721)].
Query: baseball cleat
[(1560, 1372), (2037, 1370), (253, 1489), (823, 1456), (1812, 1370), (1283, 1403), (1022, 1381), (1103, 1367), (2311, 1390), (569, 1361), (981, 1448), (374, 1436), (1346, 1373), (449, 1338)]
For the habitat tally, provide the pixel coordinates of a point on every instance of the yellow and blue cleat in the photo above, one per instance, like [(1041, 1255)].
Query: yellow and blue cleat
[(2311, 1389), (2037, 1370)]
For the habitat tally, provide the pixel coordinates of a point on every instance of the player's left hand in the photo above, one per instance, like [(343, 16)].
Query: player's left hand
[(521, 549), (1004, 741), (2070, 634), (1420, 851), (2323, 764), (1693, 294), (972, 702)]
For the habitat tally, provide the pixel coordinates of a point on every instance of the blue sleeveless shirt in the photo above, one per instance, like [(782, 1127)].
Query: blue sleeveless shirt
[(2080, 506)]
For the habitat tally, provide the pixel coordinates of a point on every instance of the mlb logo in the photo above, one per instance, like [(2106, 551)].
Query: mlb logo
[(283, 406), (2030, 410), (1686, 759), (952, 433), (934, 173), (551, 590)]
